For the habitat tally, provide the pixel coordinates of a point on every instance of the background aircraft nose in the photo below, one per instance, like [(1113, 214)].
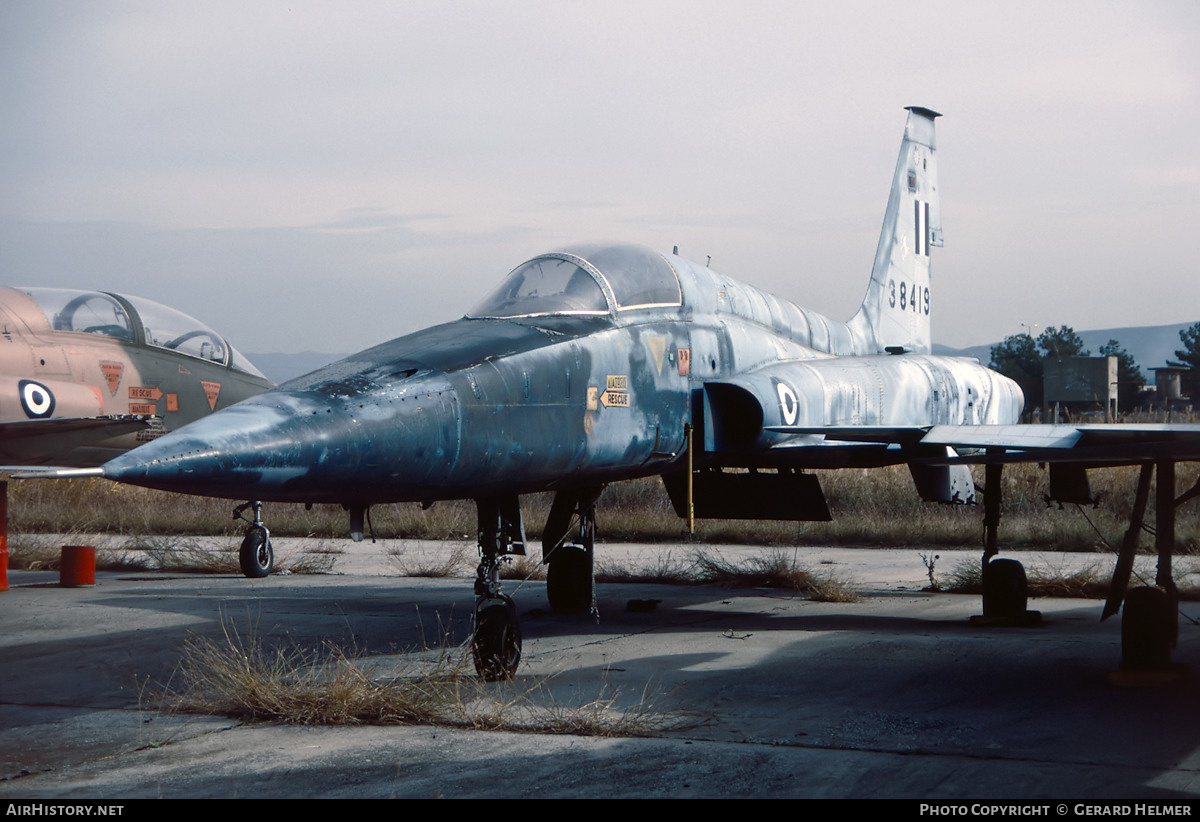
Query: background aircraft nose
[(305, 446)]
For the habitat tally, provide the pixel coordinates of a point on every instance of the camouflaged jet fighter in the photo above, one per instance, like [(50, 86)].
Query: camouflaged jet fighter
[(600, 363), (87, 375)]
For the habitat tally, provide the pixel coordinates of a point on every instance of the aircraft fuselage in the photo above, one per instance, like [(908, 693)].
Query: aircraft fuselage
[(489, 406)]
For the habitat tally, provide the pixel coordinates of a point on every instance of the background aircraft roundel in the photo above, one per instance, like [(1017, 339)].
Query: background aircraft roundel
[(86, 375)]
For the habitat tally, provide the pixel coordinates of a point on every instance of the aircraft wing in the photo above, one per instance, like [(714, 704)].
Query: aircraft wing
[(26, 443), (1094, 443)]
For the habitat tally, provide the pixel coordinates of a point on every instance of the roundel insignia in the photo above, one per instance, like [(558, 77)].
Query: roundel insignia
[(788, 403), (36, 399)]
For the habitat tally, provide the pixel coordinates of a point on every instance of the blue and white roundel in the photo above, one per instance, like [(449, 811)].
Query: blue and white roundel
[(36, 399), (789, 406)]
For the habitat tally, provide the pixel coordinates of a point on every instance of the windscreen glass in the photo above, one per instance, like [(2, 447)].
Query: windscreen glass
[(88, 312), (545, 285), (171, 329)]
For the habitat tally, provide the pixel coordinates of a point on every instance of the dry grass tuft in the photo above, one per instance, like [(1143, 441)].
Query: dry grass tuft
[(522, 567), (663, 569), (1090, 582), (186, 556), (430, 564), (172, 554), (43, 552), (1052, 579), (773, 568), (238, 677), (965, 578), (189, 556)]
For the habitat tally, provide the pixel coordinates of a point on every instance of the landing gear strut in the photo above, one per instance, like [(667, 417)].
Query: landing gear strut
[(496, 644), (570, 585), (256, 556), (1149, 613)]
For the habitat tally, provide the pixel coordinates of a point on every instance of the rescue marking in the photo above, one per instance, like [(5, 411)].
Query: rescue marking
[(37, 401), (137, 392), (618, 399)]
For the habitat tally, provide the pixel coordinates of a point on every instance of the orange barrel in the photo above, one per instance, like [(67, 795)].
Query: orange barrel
[(78, 569)]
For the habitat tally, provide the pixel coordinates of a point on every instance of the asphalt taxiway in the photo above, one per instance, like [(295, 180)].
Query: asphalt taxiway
[(895, 695)]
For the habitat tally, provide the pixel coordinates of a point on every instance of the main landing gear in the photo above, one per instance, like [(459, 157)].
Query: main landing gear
[(570, 584), (256, 556), (1149, 613), (496, 642), (1005, 590)]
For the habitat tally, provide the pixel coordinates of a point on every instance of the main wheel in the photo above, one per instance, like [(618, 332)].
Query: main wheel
[(1146, 629), (1005, 592), (569, 580), (256, 556), (496, 645)]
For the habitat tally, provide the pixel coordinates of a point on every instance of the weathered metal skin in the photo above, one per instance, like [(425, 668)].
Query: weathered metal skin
[(632, 347)]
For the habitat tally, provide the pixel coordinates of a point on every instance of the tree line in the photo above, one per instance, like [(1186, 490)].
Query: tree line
[(1021, 357)]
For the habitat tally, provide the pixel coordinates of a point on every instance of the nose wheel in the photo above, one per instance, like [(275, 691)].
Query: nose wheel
[(256, 556), (496, 644)]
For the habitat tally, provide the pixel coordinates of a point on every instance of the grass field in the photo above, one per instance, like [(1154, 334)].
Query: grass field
[(871, 507)]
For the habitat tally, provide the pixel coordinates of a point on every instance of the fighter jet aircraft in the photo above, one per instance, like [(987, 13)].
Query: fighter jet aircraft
[(87, 375), (599, 363)]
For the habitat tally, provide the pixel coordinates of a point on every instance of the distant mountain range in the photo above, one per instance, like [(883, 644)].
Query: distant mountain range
[(1150, 345)]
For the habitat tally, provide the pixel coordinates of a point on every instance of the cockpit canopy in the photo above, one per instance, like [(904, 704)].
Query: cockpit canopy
[(137, 321), (585, 280)]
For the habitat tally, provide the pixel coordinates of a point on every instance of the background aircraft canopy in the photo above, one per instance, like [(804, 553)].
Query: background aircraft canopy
[(136, 320), (89, 312), (584, 280)]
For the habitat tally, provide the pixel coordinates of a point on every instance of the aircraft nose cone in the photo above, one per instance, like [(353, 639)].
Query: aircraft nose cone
[(305, 446)]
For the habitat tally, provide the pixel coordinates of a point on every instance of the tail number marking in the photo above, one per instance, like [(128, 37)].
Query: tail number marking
[(915, 299)]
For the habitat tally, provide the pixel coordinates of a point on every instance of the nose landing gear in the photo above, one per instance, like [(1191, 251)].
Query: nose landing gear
[(256, 556), (496, 644)]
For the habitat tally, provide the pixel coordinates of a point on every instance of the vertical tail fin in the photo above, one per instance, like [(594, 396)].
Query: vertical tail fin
[(895, 312)]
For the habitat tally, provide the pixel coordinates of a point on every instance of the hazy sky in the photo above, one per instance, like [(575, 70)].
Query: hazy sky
[(309, 175)]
